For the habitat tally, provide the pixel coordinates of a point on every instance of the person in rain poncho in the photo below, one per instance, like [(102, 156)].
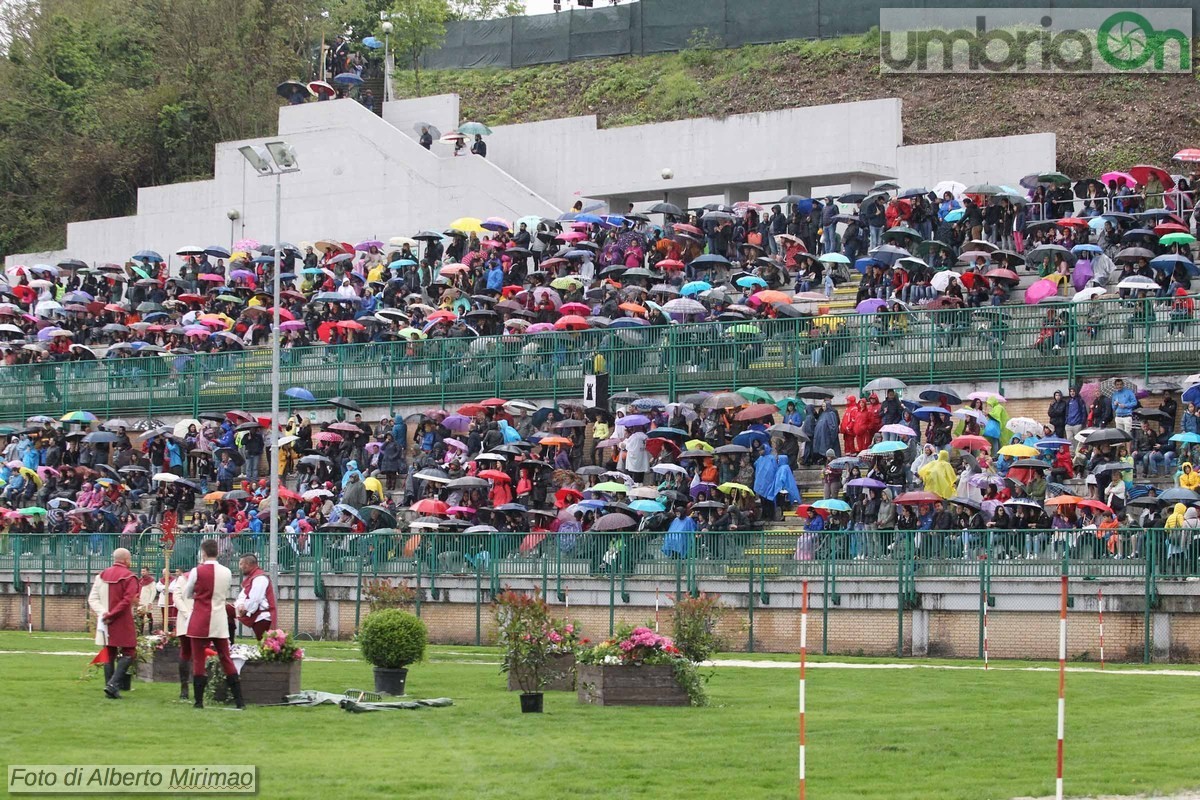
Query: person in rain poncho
[(509, 432), (938, 476), (825, 431), (1177, 538), (1188, 477), (786, 490), (997, 423), (764, 481)]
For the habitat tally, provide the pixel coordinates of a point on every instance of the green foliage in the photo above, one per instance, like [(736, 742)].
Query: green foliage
[(381, 593), (485, 9), (700, 48), (392, 639), (694, 625), (420, 26), (523, 627)]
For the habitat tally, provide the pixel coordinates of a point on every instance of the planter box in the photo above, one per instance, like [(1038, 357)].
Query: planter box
[(560, 675), (604, 685), (264, 683), (163, 667), (268, 682)]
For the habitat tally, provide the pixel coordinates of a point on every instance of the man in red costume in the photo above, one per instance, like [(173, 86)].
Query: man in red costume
[(208, 626), (256, 602), (112, 599)]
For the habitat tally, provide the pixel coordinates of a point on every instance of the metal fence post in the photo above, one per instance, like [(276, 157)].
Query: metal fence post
[(42, 591), (296, 599), (478, 604), (750, 603), (825, 607), (1150, 556), (900, 593), (358, 596)]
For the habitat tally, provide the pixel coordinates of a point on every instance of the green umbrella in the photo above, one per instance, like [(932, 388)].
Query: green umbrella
[(32, 512), (610, 486), (141, 273), (901, 233), (1053, 177), (753, 393), (782, 403), (228, 298), (746, 328), (1177, 238), (473, 128)]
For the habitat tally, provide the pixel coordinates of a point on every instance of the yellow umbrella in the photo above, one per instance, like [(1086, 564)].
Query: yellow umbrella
[(829, 322), (468, 225), (32, 475), (726, 488), (1018, 451), (698, 444)]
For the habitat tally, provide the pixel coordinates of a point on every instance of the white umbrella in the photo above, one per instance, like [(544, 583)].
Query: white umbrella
[(1090, 293), (976, 414), (181, 427), (953, 187), (941, 281), (190, 250), (166, 477), (1138, 282), (1024, 426)]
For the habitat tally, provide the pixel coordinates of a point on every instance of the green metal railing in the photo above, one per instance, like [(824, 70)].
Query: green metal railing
[(753, 564), (991, 345)]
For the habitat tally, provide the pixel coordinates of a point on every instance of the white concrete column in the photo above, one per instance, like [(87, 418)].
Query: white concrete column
[(920, 632), (736, 194), (1160, 636), (617, 204), (680, 199), (799, 187)]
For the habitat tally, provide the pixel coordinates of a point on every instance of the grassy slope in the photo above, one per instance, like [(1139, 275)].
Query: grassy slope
[(887, 734), (1102, 122)]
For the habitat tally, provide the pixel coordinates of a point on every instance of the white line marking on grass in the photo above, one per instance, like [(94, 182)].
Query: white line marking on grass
[(741, 663)]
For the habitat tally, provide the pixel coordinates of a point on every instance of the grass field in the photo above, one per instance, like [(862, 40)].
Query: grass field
[(879, 733)]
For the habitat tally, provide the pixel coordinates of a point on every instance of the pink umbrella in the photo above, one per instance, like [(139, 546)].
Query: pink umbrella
[(460, 510), (1122, 178), (898, 430), (1040, 291), (531, 541), (456, 444), (1089, 392), (572, 236), (211, 277), (246, 244), (328, 436), (291, 325), (368, 244), (540, 327), (575, 308), (985, 396)]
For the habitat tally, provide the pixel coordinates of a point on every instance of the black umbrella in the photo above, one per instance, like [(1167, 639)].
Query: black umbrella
[(966, 501), (1151, 413), (614, 522), (1108, 436), (236, 494), (344, 402), (591, 470), (1179, 495), (815, 392), (237, 458), (935, 393), (665, 208), (101, 437), (790, 430), (731, 449), (468, 482), (212, 416), (1030, 463), (1112, 466)]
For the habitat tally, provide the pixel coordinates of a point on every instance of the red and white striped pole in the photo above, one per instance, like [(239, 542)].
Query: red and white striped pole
[(985, 638), (1062, 684), (1101, 598), (803, 667)]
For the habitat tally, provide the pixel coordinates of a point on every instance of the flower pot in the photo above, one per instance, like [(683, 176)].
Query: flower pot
[(531, 702), (390, 681), (163, 666), (620, 685), (559, 675)]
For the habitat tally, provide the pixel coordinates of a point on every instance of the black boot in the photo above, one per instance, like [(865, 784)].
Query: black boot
[(108, 673), (198, 684), (234, 682), (185, 672), (112, 688)]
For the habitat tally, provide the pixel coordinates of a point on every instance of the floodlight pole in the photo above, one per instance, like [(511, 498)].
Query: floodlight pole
[(273, 560)]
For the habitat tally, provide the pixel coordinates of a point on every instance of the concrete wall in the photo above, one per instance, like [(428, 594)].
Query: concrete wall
[(1001, 159), (361, 177), (440, 110)]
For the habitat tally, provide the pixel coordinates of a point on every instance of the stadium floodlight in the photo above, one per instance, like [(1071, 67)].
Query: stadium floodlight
[(258, 157), (283, 155)]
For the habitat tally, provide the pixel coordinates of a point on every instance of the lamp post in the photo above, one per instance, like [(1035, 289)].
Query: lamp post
[(387, 60), (274, 159)]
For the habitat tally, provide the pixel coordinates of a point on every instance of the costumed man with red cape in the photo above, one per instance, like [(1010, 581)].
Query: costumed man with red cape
[(113, 597), (256, 602), (208, 625)]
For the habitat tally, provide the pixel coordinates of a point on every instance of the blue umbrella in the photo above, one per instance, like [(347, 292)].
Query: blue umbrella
[(216, 251), (832, 504), (629, 322), (147, 255), (1087, 248), (695, 287), (579, 254), (634, 420), (1192, 395), (591, 219), (1051, 442), (312, 271), (372, 43), (890, 447), (747, 438), (954, 215), (647, 506), (647, 404), (400, 263), (298, 393), (347, 79), (925, 412), (1187, 438), (863, 264), (746, 281), (334, 297), (1167, 263)]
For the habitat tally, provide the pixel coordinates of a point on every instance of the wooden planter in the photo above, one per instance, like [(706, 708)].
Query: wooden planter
[(560, 675), (163, 666), (264, 683), (605, 685)]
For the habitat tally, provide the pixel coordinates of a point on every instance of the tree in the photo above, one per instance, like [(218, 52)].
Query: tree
[(485, 9), (420, 26)]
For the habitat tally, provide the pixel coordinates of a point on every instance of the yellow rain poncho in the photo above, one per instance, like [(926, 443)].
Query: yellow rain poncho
[(938, 476)]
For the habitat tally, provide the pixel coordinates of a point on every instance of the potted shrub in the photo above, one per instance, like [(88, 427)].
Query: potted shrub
[(694, 623), (524, 628), (390, 640), (638, 667)]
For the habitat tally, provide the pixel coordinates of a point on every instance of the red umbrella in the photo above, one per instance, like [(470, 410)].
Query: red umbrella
[(1003, 275), (471, 409), (531, 541), (755, 411), (190, 298), (493, 402), (1142, 172), (1073, 222), (1188, 154), (575, 308), (287, 494), (655, 447), (670, 264), (917, 498), (681, 227), (351, 325), (429, 506), (1095, 504), (441, 316), (970, 443), (803, 509), (1170, 227), (571, 322), (495, 475), (237, 414), (566, 496), (328, 436)]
